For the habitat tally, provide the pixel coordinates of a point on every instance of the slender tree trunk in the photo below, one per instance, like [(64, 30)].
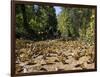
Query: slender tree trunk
[(25, 22)]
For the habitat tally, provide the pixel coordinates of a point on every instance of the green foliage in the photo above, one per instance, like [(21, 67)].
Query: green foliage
[(20, 31), (77, 23), (90, 34), (68, 22), (41, 22), (32, 20)]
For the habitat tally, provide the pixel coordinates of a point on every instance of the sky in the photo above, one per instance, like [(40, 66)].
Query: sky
[(58, 9)]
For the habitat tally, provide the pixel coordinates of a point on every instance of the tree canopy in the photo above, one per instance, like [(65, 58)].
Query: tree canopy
[(41, 22)]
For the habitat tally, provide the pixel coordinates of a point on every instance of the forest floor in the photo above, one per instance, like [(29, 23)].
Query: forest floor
[(53, 55)]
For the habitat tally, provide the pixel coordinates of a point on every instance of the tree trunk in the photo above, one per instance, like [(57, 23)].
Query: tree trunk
[(25, 22)]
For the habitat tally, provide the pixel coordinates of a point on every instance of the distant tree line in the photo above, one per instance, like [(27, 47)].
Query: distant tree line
[(77, 23), (40, 22), (35, 22)]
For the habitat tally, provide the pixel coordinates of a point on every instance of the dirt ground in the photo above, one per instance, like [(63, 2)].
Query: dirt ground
[(53, 55)]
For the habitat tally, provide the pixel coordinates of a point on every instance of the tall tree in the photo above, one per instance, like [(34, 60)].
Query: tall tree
[(74, 22), (20, 30), (25, 22), (69, 22)]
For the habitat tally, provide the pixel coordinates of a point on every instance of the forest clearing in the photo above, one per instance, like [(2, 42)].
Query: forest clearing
[(54, 38)]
